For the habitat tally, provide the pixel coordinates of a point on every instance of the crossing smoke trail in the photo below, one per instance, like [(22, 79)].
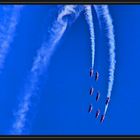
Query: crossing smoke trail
[(89, 19), (103, 11), (7, 30), (43, 57)]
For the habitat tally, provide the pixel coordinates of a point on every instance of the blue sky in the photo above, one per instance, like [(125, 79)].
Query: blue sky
[(61, 104)]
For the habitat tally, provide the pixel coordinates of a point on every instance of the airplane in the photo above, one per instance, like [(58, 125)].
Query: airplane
[(96, 76), (91, 91), (97, 113), (90, 108), (91, 72), (97, 96), (107, 100), (102, 118)]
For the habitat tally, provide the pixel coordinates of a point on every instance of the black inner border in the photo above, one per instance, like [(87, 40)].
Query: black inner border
[(69, 1)]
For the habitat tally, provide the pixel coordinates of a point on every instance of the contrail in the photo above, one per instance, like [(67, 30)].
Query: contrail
[(7, 30), (103, 12), (89, 19), (40, 64), (98, 13)]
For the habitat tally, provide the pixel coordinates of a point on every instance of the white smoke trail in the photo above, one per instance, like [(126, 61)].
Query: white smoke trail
[(7, 31), (89, 19), (104, 12), (98, 13), (40, 63)]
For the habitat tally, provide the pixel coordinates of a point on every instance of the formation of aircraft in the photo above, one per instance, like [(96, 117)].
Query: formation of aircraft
[(97, 97)]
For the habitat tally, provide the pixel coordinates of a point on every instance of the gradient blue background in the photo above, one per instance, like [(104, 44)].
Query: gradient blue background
[(61, 107)]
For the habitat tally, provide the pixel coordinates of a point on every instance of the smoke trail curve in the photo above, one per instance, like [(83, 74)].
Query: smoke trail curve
[(40, 63), (7, 31), (103, 12), (89, 19)]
